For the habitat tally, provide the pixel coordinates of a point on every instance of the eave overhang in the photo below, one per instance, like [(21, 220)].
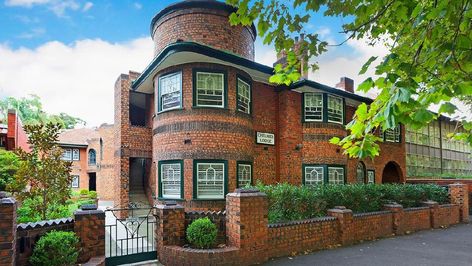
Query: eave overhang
[(72, 145), (190, 52)]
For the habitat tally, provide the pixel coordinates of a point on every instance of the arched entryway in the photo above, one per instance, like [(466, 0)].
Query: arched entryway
[(391, 173)]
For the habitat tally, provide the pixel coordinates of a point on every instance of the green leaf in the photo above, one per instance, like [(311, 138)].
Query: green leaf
[(423, 115), (366, 85), (447, 108), (367, 64), (334, 140)]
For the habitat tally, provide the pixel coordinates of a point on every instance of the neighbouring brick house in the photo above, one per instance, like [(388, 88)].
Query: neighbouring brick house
[(12, 135), (202, 119), (92, 155)]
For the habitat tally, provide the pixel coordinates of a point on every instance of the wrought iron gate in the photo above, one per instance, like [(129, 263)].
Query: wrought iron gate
[(130, 239)]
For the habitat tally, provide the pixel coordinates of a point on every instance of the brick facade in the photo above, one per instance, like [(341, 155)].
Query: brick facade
[(190, 133), (12, 134)]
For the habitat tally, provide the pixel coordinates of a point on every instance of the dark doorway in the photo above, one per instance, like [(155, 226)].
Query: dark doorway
[(92, 182), (391, 173)]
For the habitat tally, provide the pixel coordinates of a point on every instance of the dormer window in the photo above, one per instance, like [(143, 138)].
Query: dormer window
[(313, 107), (323, 107)]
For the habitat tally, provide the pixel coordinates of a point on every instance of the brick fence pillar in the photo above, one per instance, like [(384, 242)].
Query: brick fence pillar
[(344, 217), (7, 230), (397, 211), (459, 194), (433, 209), (170, 225), (89, 226), (247, 225)]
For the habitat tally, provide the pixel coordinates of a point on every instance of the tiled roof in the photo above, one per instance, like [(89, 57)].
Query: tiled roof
[(78, 136)]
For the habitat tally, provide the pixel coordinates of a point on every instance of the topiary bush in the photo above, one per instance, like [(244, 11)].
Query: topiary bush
[(201, 233), (56, 248), (92, 194), (289, 202), (84, 192)]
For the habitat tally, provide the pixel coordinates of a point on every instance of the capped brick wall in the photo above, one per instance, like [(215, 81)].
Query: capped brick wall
[(90, 228), (8, 208), (205, 25)]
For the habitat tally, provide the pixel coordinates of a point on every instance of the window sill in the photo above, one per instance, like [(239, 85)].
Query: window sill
[(209, 107), (209, 199), (167, 199), (170, 110)]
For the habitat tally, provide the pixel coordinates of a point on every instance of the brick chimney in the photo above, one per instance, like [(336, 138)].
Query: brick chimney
[(282, 57), (346, 84)]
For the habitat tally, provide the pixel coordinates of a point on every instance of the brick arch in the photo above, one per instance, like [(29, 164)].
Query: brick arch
[(392, 173)]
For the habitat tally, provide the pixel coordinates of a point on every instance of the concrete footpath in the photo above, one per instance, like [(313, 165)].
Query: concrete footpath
[(451, 246)]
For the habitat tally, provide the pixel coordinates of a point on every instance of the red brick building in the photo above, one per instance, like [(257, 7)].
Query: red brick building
[(12, 135), (91, 152), (203, 119)]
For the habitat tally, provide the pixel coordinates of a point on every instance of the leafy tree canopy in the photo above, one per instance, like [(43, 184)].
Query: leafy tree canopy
[(31, 112), (429, 60), (9, 164), (42, 174)]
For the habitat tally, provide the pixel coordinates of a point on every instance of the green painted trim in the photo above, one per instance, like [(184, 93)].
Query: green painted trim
[(248, 81), (237, 171), (325, 108), (225, 86), (159, 102), (159, 181), (344, 111), (137, 257), (303, 108), (194, 178)]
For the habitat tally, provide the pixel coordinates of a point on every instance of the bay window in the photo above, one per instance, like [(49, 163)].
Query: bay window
[(244, 174), (244, 96), (209, 89)]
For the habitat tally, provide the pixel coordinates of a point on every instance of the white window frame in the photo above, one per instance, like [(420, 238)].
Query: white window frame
[(370, 177), (243, 174), (75, 154), (305, 106), (75, 182), (244, 98), (332, 111), (175, 181), (309, 180), (209, 179), (333, 175), (393, 135), (223, 89), (160, 107), (67, 154)]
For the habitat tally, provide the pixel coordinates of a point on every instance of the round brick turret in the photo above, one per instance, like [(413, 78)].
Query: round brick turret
[(205, 22)]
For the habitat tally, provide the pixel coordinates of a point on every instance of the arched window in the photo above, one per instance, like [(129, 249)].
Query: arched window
[(360, 177), (92, 157)]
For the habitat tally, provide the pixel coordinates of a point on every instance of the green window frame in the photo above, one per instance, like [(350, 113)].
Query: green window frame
[(244, 95), (169, 87), (170, 174), (314, 175), (336, 174), (393, 135), (210, 179), (244, 172), (370, 176), (210, 88), (313, 107), (335, 110), (75, 182)]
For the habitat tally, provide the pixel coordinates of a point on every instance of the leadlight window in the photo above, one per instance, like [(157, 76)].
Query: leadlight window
[(313, 106), (393, 135), (360, 173), (210, 180), (370, 177), (75, 181), (244, 174), (244, 96), (92, 157), (314, 175), (171, 180), (210, 89), (170, 91), (75, 154), (67, 155), (335, 175), (335, 109)]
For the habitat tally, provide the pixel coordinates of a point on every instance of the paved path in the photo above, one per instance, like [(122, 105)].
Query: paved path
[(452, 246)]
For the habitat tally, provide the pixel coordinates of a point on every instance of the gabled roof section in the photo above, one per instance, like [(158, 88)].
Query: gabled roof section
[(328, 89)]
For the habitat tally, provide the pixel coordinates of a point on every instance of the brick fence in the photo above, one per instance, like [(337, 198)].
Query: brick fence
[(17, 241), (250, 239)]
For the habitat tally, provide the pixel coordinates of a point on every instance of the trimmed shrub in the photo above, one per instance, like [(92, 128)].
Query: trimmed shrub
[(56, 248), (92, 194), (201, 233), (289, 202), (84, 192)]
